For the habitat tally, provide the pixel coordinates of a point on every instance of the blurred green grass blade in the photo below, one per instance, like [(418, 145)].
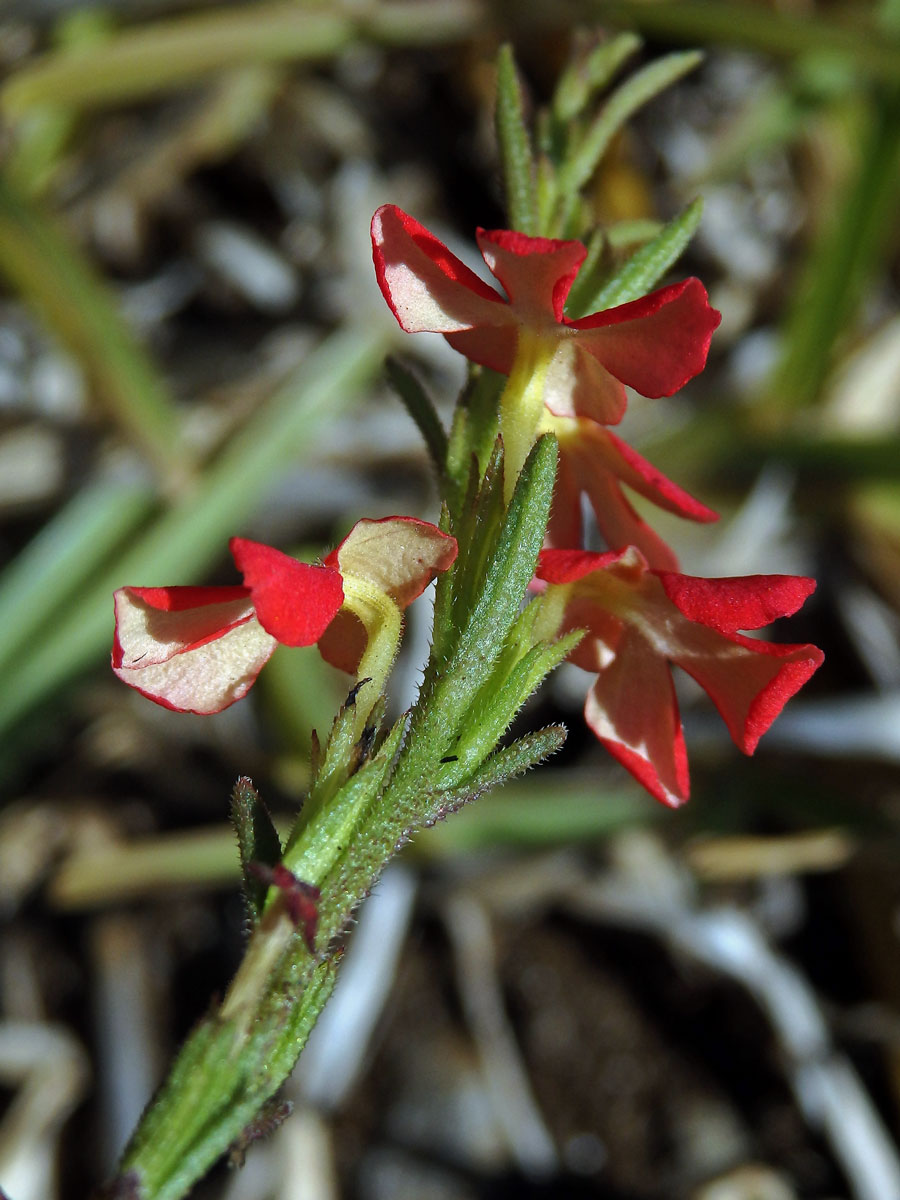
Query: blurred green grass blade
[(775, 115), (44, 131), (41, 137), (180, 545), (546, 810), (644, 269), (157, 56), (592, 67), (39, 260), (542, 812), (227, 112), (514, 144), (825, 459), (850, 248), (636, 91), (780, 33), (73, 545)]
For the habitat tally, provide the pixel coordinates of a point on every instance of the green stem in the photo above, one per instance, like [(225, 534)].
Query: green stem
[(522, 403), (383, 623), (239, 1056)]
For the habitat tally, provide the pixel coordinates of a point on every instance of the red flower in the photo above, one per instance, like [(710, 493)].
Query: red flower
[(639, 620), (199, 649), (655, 344), (595, 462)]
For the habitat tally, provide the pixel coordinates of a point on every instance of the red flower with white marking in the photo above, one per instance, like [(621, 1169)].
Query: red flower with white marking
[(654, 344), (638, 621), (199, 649), (596, 463)]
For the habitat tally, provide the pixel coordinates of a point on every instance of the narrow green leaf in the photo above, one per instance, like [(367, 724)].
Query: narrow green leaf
[(339, 760), (595, 266), (419, 405), (547, 809), (450, 687), (622, 234), (506, 764), (322, 833), (482, 401), (200, 1083), (477, 530), (646, 266), (496, 707), (258, 841), (450, 584), (215, 1089), (592, 67), (514, 143), (510, 566), (272, 1056), (634, 93), (441, 626), (474, 431), (547, 194)]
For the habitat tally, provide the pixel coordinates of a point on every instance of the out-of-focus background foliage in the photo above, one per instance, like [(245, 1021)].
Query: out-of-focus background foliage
[(566, 990)]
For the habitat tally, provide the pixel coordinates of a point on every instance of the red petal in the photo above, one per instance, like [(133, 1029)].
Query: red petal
[(743, 602), (567, 566), (577, 384), (565, 527), (622, 526), (748, 680), (598, 462), (655, 344), (399, 555), (491, 346), (536, 273), (294, 602), (633, 711), (177, 599), (344, 642), (189, 659), (604, 637), (631, 468), (153, 624), (427, 287)]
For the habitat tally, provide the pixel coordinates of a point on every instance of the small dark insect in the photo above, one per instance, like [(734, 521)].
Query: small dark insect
[(450, 758), (354, 691)]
